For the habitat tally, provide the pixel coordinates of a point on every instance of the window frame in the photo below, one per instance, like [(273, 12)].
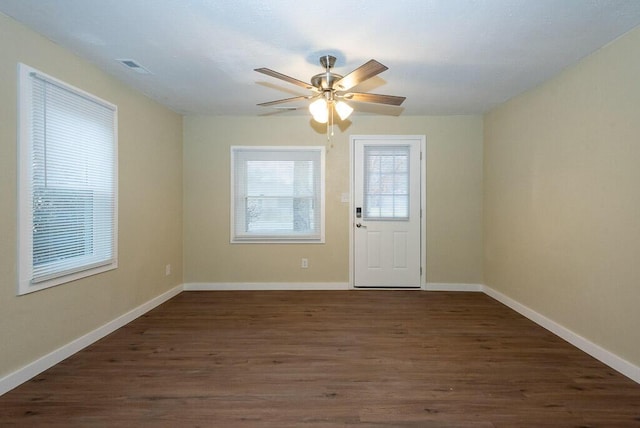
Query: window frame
[(318, 238), (26, 186)]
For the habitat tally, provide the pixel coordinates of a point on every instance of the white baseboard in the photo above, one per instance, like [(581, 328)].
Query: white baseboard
[(258, 286), (33, 369), (612, 360), (438, 286)]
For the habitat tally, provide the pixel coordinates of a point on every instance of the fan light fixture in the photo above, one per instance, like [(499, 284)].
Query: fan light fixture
[(344, 110), (320, 109)]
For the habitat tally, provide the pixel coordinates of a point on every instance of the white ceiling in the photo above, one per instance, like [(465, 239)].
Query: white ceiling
[(445, 56)]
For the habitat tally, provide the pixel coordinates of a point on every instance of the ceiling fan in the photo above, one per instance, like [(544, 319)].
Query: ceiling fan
[(331, 89)]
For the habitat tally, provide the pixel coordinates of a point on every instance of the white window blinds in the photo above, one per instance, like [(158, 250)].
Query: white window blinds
[(68, 183), (277, 194)]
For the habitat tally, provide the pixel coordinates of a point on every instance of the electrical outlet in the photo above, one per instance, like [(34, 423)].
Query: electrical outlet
[(167, 270), (304, 263)]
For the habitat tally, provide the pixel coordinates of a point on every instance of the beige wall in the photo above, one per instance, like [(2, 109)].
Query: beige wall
[(454, 198), (562, 198), (150, 208)]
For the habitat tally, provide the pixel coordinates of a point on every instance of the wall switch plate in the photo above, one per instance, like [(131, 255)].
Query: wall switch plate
[(304, 264), (167, 270)]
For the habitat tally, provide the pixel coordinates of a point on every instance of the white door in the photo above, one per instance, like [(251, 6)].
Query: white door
[(386, 211)]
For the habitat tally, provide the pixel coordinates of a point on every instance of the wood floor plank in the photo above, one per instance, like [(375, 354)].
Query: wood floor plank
[(327, 358)]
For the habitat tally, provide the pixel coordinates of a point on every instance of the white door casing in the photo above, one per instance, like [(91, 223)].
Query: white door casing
[(387, 188)]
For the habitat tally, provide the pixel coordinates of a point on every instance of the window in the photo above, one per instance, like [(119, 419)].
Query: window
[(386, 175), (67, 147), (277, 194)]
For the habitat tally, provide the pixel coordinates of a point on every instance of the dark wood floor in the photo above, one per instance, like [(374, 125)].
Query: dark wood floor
[(315, 359)]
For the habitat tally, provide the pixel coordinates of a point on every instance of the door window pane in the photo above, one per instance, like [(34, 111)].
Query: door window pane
[(386, 182)]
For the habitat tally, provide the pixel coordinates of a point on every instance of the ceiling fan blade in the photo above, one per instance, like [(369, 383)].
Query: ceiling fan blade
[(284, 77), (360, 74), (285, 100), (374, 98)]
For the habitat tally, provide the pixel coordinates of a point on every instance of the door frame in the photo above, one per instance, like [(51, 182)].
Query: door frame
[(423, 204)]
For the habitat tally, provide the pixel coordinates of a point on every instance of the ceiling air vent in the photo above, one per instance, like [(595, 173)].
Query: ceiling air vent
[(133, 65)]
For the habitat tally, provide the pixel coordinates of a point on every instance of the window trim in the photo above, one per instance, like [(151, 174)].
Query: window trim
[(233, 239), (25, 185)]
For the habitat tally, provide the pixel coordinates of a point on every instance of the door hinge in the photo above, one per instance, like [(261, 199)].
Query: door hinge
[(420, 270)]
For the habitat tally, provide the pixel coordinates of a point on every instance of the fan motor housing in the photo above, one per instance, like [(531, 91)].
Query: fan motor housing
[(324, 81)]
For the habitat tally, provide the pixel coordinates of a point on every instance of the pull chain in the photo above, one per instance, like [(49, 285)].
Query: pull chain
[(330, 123)]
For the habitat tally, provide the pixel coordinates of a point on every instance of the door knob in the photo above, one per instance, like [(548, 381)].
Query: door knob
[(360, 225)]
